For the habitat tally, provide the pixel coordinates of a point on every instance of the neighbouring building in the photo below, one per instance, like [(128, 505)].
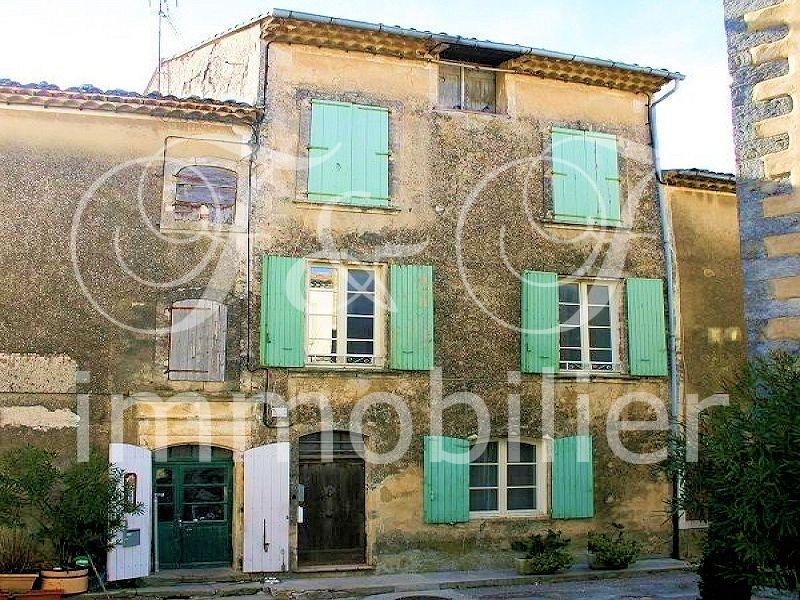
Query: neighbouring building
[(764, 43), (196, 285)]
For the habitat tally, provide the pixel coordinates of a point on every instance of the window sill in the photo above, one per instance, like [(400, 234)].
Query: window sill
[(341, 207), (462, 111), (200, 227), (565, 224), (596, 376), (509, 516)]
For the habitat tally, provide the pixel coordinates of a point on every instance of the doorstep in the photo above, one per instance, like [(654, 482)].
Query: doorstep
[(311, 588)]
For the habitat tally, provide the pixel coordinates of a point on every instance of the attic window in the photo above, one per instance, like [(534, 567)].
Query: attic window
[(467, 88), (205, 192)]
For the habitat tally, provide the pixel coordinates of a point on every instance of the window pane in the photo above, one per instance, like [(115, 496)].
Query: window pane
[(600, 356), (166, 494), (322, 347), (599, 316), (321, 327), (571, 355), (360, 280), (521, 452), (570, 337), (489, 454), (321, 302), (204, 494), (360, 348), (521, 475), (569, 314), (361, 304), (521, 499), (483, 499), (360, 328), (598, 294), (163, 475), (165, 513), (203, 512), (323, 278), (568, 292), (483, 476), (600, 338), (208, 475)]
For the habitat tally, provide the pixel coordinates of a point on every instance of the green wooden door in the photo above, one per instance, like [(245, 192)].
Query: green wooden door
[(194, 513)]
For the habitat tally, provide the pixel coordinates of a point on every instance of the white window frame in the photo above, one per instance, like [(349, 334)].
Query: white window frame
[(379, 354), (542, 480), (583, 299)]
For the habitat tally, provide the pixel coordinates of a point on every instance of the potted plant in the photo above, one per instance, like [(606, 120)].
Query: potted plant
[(18, 561), (612, 549), (543, 554), (79, 510)]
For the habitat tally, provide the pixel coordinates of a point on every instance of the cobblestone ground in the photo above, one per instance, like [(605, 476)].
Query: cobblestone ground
[(673, 586)]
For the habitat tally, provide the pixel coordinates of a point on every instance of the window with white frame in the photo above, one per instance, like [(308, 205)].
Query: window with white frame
[(465, 87), (587, 328), (344, 326), (509, 477)]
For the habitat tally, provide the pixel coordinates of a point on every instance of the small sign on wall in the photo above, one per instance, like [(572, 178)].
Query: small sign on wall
[(132, 538)]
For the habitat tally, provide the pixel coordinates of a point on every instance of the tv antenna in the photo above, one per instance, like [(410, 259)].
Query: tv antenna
[(163, 15)]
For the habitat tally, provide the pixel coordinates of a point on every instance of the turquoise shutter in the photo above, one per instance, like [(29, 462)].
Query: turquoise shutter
[(647, 347), (569, 160), (572, 478), (411, 318), (539, 322), (370, 156), (283, 285), (606, 177), (329, 151), (445, 480)]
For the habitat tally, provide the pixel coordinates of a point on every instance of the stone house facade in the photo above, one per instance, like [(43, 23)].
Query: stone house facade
[(387, 239)]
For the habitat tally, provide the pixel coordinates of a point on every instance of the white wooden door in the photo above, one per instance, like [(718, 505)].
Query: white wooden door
[(130, 558), (266, 508)]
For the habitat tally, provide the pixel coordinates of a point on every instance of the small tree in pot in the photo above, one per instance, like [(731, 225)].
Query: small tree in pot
[(543, 554), (612, 549), (79, 510)]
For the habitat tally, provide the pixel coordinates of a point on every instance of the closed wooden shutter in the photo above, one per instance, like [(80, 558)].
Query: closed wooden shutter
[(348, 154), (411, 317), (585, 177), (197, 340), (283, 284), (445, 480), (572, 478), (647, 346), (539, 322)]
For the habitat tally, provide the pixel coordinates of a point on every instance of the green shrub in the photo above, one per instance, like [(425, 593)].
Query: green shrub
[(613, 549), (19, 552), (545, 553)]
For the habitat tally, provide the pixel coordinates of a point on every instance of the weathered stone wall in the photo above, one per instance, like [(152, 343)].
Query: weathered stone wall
[(762, 34)]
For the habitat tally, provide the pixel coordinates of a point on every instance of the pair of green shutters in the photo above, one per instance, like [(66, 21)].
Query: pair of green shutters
[(446, 479), (348, 154), (283, 307), (647, 351), (585, 177)]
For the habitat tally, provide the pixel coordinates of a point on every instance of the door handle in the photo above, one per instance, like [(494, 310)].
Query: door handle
[(265, 542)]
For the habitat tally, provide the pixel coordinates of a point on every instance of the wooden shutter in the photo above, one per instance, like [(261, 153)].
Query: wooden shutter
[(446, 480), (539, 322), (266, 509), (370, 156), (411, 318), (647, 347), (283, 297), (329, 151), (197, 341), (606, 177), (572, 479)]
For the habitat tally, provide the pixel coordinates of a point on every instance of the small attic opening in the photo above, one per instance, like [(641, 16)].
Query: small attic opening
[(486, 57)]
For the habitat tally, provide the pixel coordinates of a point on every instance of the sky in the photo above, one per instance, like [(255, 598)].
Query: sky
[(113, 44)]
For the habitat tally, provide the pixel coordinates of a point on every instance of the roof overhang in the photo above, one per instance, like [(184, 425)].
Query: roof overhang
[(700, 179)]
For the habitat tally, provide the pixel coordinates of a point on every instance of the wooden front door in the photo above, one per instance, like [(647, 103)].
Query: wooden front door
[(194, 509), (333, 530)]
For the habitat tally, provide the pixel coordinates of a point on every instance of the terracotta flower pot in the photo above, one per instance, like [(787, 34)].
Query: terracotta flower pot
[(69, 582), (16, 583), (40, 595)]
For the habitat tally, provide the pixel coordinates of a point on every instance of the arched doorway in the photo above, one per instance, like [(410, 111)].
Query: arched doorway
[(193, 490), (333, 531)]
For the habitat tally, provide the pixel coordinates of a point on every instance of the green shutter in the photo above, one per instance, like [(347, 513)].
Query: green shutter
[(348, 154), (539, 322), (445, 480), (585, 177), (411, 318), (572, 478), (283, 284), (647, 346), (329, 151), (370, 156)]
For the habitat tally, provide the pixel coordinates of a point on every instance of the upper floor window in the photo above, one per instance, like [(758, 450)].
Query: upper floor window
[(197, 341), (586, 326), (343, 323), (348, 154), (205, 192), (467, 88), (507, 478), (585, 177)]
